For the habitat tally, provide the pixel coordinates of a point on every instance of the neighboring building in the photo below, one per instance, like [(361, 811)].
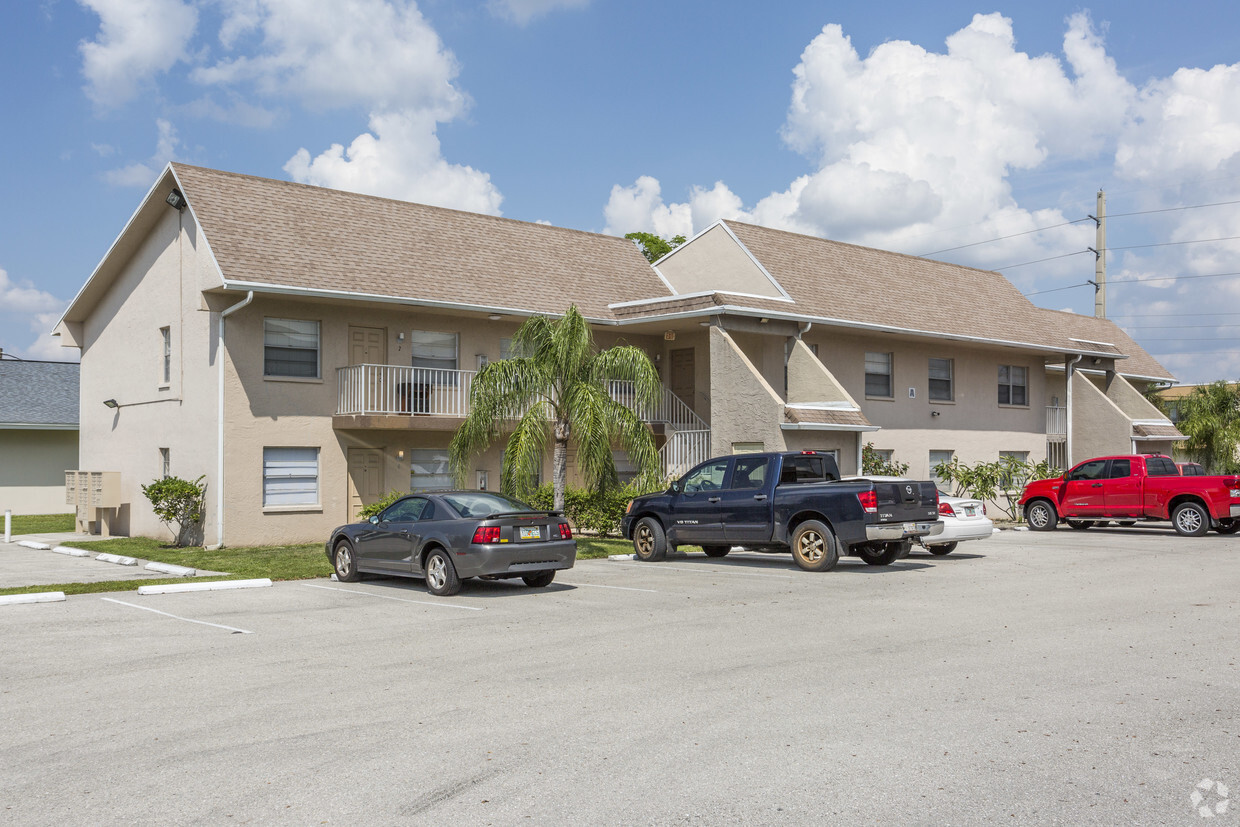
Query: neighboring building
[(306, 349), (38, 434), (1171, 400)]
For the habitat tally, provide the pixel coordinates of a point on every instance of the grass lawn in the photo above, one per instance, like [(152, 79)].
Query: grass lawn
[(298, 562), (41, 523)]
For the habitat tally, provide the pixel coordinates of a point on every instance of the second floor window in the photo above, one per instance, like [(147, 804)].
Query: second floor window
[(1013, 385), (291, 348), (878, 374), (433, 350), (941, 380), (165, 334)]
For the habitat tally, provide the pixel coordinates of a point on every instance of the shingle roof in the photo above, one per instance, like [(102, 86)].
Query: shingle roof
[(1157, 432), (38, 393), (275, 232), (819, 416)]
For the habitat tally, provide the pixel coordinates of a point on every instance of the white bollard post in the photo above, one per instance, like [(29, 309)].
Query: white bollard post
[(8, 525)]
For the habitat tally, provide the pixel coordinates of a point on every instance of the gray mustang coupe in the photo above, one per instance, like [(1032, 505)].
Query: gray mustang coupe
[(447, 536)]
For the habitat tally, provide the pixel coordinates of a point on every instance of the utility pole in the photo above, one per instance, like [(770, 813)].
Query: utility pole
[(1100, 257)]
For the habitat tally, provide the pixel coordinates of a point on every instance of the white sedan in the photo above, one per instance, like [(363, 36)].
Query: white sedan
[(963, 519)]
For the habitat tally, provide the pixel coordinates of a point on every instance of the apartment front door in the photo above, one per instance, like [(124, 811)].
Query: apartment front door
[(367, 346), (681, 374), (365, 479)]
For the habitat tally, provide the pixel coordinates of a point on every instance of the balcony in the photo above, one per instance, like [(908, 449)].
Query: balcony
[(394, 397), (1056, 423)]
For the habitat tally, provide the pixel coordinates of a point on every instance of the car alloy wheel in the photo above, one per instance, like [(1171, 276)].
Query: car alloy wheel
[(436, 573), (345, 563)]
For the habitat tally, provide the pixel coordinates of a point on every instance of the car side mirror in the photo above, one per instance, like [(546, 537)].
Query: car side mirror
[(675, 487), (374, 520)]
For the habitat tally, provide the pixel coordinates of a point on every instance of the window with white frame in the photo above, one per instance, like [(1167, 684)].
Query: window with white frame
[(938, 458), (941, 380), (291, 348), (290, 476), (878, 375), (429, 469), (1013, 385), (165, 463), (165, 335), (434, 350)]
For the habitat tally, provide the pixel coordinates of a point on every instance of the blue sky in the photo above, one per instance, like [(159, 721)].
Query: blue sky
[(908, 126)]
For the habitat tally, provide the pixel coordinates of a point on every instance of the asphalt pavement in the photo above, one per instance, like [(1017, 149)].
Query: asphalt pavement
[(1074, 677), (24, 566)]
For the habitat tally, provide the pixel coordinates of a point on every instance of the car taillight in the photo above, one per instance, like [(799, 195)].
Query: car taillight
[(485, 534), (869, 501), (566, 533), (946, 510), (983, 509)]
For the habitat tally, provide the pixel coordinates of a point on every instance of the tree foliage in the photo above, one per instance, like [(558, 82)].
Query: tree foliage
[(654, 247), (989, 481), (874, 463), (179, 501), (558, 391), (1210, 418)]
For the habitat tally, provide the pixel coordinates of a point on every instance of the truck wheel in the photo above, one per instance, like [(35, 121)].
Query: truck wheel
[(813, 547), (1081, 525), (1041, 516), (882, 555), (1228, 525), (716, 551), (1190, 519), (941, 549), (649, 541)]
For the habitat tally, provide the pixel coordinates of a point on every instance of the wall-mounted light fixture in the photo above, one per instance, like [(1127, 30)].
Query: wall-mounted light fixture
[(763, 321), (176, 200), (111, 403), (934, 413), (495, 317), (400, 454)]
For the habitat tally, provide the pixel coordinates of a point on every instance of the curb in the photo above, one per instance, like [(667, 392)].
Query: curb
[(107, 557), (621, 556), (169, 568), (37, 597), (218, 585), (72, 552), (33, 544)]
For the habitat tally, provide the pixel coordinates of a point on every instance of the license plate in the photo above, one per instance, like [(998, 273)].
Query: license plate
[(529, 533), (910, 527), (1234, 493), (970, 511)]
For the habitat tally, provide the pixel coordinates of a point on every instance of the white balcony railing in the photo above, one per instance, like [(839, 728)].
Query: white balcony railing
[(1056, 421), (392, 389), (682, 451), (670, 410)]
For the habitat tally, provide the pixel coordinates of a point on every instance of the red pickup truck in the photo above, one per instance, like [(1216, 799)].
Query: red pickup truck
[(1130, 488)]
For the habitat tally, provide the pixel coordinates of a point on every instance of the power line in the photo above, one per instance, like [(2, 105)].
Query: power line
[(1141, 280), (1175, 243), (1162, 315), (1171, 209), (1006, 237)]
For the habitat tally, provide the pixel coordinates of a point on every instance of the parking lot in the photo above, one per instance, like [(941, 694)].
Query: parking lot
[(1070, 677)]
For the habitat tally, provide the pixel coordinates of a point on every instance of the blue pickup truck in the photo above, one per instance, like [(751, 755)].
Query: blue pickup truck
[(781, 502)]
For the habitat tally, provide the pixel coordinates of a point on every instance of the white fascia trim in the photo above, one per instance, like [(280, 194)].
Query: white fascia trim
[(739, 310), (721, 223), (696, 295), (817, 426), (37, 426), (1152, 422), (321, 293), (112, 246), (1091, 342), (823, 406), (1057, 368), (1180, 438)]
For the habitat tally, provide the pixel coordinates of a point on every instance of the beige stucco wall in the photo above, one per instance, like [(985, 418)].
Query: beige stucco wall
[(810, 381), (32, 469), (716, 263), (913, 446), (745, 408), (1127, 398), (1099, 427), (122, 353)]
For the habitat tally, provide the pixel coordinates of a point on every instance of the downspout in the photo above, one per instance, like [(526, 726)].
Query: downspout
[(1070, 372), (219, 474)]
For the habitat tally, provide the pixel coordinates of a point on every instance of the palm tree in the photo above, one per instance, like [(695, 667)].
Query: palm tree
[(1210, 418), (558, 389)]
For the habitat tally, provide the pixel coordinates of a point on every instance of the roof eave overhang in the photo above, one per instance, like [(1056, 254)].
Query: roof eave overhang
[(39, 426), (821, 426)]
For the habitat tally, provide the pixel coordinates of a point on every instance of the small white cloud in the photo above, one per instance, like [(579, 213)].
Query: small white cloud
[(399, 158), (22, 305), (523, 11), (137, 40), (142, 174)]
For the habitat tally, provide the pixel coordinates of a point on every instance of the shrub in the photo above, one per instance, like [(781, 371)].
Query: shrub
[(1005, 477), (589, 510), (874, 463), (378, 505), (179, 501)]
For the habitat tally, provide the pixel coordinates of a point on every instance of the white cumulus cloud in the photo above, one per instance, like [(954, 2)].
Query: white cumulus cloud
[(137, 40), (142, 173), (25, 307), (523, 11)]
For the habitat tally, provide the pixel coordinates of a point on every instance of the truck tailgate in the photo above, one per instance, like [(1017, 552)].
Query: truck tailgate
[(906, 501)]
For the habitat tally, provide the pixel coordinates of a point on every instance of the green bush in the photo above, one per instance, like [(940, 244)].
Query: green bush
[(179, 501), (588, 510), (873, 463), (378, 505), (1006, 478)]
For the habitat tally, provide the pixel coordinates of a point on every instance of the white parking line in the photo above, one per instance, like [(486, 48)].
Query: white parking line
[(711, 570), (232, 629), (388, 597), (598, 586)]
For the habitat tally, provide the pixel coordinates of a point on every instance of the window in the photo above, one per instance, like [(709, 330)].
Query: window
[(290, 476), (1160, 467), (433, 350), (1013, 385), (878, 375), (428, 469), (626, 471), (941, 380), (750, 472), (408, 511), (291, 348), (938, 458), (1120, 469), (748, 447), (165, 463), (165, 334), (708, 477), (804, 468), (1009, 481), (1095, 469)]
